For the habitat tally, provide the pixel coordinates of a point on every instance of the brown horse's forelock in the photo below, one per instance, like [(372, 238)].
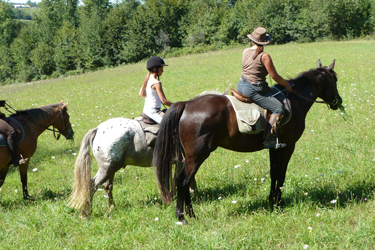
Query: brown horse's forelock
[(40, 113)]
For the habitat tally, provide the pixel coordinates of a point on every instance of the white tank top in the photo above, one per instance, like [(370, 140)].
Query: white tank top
[(152, 100)]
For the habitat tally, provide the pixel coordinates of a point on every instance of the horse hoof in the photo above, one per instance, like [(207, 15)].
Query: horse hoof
[(29, 198), (183, 222), (84, 217)]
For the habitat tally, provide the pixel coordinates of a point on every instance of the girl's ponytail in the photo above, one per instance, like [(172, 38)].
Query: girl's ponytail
[(142, 91)]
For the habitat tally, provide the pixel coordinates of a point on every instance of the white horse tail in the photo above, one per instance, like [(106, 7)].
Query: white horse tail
[(82, 173)]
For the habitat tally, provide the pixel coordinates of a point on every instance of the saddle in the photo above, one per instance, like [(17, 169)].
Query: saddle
[(252, 118), (19, 131), (149, 127)]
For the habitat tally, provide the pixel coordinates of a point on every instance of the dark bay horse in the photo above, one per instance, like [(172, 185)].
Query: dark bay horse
[(34, 122), (197, 127)]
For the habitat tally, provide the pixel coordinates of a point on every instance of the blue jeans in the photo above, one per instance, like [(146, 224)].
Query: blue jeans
[(262, 98)]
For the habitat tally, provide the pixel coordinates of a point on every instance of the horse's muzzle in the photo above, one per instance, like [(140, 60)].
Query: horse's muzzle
[(336, 103), (69, 135)]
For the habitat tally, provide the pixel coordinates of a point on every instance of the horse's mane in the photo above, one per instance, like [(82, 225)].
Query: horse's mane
[(316, 77), (40, 113)]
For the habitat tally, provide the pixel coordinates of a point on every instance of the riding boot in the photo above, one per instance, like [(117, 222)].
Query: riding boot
[(271, 139), (12, 145)]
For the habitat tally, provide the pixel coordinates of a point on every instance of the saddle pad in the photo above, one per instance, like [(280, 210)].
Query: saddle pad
[(3, 143), (250, 116), (151, 131)]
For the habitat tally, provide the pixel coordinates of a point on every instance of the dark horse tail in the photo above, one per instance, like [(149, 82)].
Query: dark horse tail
[(167, 149)]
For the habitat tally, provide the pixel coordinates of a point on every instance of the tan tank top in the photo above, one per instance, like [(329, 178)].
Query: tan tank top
[(253, 70)]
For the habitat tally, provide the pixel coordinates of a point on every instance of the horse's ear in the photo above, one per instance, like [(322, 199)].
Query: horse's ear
[(65, 105), (332, 64), (318, 64)]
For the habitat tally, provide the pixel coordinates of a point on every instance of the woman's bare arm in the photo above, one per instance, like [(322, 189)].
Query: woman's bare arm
[(267, 61)]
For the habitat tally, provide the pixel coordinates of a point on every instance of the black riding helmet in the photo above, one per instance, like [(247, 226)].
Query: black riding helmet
[(155, 61)]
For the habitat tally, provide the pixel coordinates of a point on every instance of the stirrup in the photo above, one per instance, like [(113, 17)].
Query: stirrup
[(275, 145), (23, 161)]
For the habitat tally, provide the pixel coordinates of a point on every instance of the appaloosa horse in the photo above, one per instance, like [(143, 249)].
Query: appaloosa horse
[(197, 127), (115, 143), (34, 122)]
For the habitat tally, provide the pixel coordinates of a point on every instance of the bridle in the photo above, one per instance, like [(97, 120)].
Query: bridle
[(333, 103), (56, 131)]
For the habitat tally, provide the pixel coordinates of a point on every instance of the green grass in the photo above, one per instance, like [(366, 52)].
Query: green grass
[(334, 160)]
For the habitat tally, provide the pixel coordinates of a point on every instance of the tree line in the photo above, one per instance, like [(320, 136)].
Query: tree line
[(65, 37)]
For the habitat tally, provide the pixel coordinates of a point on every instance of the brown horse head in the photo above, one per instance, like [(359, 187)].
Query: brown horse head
[(62, 123)]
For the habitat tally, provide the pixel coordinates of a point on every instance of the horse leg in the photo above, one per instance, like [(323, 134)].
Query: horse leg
[(3, 174), (193, 184), (279, 160), (185, 178), (101, 176), (23, 172), (108, 187)]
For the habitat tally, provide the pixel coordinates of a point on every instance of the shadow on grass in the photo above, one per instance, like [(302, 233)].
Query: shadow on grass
[(46, 195), (323, 197)]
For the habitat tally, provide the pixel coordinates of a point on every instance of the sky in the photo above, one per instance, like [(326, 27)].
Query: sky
[(23, 1)]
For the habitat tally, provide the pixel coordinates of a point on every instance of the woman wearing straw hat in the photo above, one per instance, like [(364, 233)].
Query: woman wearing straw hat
[(256, 65)]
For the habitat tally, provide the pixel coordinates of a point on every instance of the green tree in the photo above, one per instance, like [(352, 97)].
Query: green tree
[(8, 27), (202, 22)]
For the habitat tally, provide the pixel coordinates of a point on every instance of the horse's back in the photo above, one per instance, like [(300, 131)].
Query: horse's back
[(212, 120), (120, 139)]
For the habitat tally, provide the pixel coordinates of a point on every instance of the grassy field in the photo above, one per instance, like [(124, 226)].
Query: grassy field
[(329, 188)]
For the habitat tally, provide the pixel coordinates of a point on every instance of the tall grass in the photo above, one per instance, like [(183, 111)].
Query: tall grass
[(329, 188)]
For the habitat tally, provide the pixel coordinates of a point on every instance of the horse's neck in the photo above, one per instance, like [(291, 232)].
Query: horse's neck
[(306, 96), (37, 126)]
